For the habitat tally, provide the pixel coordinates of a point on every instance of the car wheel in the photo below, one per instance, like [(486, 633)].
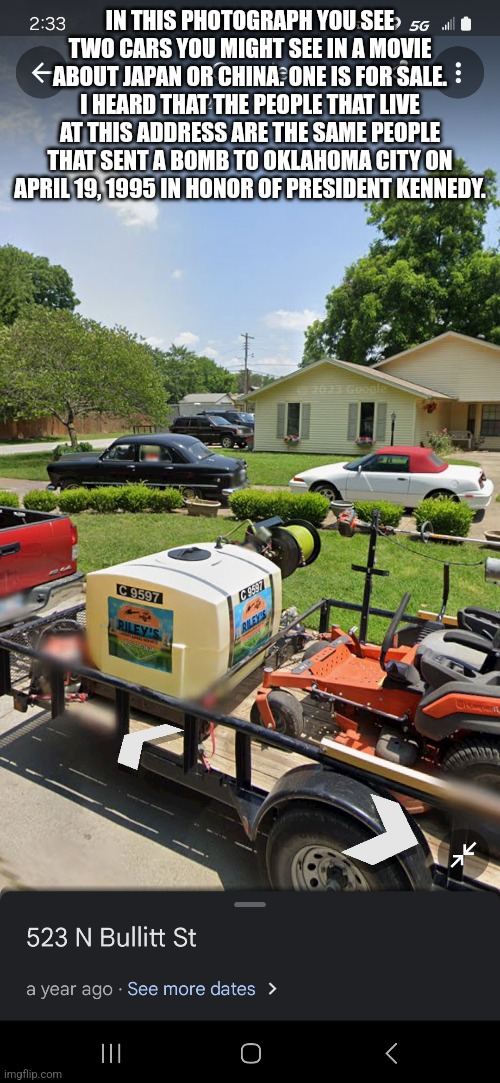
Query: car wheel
[(188, 493), (71, 483), (227, 441), (442, 494), (326, 488)]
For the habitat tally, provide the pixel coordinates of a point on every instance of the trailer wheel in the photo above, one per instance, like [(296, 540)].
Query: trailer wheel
[(476, 759), (287, 711), (305, 853)]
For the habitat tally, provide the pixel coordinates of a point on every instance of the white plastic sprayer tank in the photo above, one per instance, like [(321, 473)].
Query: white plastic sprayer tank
[(179, 621)]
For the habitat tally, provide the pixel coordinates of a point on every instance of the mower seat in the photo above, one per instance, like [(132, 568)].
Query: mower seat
[(401, 675), (437, 670), (456, 643), (484, 622), (437, 728)]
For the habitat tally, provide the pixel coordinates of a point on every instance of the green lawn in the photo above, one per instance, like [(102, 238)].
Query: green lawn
[(264, 467), (106, 540), (25, 466), (278, 467)]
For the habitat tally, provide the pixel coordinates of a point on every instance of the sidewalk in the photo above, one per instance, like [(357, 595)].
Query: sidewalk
[(47, 445)]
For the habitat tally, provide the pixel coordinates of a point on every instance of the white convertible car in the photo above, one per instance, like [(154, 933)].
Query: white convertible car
[(401, 475)]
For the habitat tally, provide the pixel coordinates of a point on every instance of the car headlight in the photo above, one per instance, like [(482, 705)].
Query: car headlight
[(239, 432)]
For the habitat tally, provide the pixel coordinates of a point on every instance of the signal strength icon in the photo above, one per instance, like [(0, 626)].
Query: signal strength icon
[(450, 25)]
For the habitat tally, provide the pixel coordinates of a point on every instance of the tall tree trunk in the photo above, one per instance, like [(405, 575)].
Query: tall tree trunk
[(71, 429)]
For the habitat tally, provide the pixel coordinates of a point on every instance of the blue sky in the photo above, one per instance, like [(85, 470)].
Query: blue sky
[(203, 273)]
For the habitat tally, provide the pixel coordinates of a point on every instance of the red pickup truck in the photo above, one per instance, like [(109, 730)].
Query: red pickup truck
[(38, 555)]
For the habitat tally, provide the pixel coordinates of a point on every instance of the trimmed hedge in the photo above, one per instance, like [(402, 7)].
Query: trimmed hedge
[(104, 498), (446, 516), (134, 498), (255, 504), (109, 498), (66, 449), (390, 514), (72, 501), (40, 500), (164, 500), (8, 499)]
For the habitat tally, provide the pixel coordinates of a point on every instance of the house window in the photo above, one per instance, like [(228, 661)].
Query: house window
[(366, 419), (293, 419), (490, 421)]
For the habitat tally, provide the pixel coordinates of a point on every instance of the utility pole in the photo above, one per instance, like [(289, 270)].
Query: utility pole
[(247, 337)]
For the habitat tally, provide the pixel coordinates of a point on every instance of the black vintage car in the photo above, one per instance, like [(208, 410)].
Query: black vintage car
[(162, 460)]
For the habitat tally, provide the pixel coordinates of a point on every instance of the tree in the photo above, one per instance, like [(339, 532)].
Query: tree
[(426, 272), (255, 379), (187, 373), (27, 280), (55, 362)]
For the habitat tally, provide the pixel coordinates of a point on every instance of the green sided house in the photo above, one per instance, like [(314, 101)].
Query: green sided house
[(452, 382)]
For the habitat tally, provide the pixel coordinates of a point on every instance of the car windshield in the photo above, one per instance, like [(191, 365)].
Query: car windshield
[(358, 464), (199, 450), (248, 419), (219, 420)]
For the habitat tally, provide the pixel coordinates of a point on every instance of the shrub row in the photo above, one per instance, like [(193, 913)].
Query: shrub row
[(389, 514), (105, 499), (446, 516), (8, 499), (255, 504)]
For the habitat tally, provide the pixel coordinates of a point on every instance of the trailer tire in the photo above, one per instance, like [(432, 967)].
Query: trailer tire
[(304, 852), (287, 711)]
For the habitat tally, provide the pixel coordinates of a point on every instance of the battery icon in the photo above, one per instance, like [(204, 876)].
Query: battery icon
[(466, 23)]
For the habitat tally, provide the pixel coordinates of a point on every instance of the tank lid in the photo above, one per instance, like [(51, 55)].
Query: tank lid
[(191, 552)]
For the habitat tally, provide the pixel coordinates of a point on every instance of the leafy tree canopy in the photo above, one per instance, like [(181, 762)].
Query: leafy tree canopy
[(57, 363), (427, 271), (187, 373), (27, 280)]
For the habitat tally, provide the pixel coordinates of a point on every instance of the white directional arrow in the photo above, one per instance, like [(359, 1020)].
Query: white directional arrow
[(39, 71), (131, 747), (272, 989), (389, 1051), (398, 835)]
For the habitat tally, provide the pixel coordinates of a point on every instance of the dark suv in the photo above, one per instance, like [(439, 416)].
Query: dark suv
[(212, 429), (239, 418)]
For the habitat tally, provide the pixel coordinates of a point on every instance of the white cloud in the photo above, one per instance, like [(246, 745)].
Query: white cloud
[(275, 366), (209, 352), (186, 338), (284, 320), (177, 272), (154, 342), (136, 215)]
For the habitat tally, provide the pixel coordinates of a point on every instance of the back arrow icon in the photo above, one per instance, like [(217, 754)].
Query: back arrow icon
[(39, 71), (272, 989), (389, 1051)]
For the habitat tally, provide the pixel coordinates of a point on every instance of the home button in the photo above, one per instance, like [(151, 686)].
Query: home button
[(251, 1053)]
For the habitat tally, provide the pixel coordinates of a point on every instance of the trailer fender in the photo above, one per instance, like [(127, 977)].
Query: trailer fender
[(315, 784)]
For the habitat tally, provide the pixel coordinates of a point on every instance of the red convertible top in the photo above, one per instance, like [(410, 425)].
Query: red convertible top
[(423, 460)]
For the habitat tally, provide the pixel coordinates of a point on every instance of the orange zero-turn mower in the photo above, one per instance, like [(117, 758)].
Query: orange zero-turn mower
[(435, 704)]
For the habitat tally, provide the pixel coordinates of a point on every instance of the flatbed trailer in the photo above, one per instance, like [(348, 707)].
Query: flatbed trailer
[(301, 802)]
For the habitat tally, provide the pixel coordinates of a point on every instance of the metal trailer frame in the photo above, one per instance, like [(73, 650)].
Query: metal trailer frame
[(355, 773)]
